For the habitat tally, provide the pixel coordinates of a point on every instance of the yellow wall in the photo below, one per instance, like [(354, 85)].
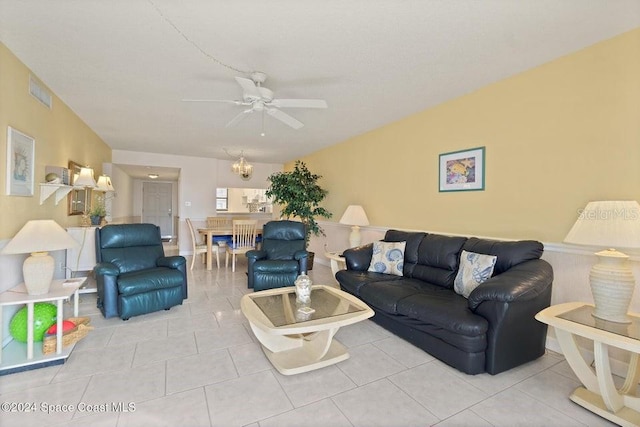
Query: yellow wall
[(556, 137), (60, 136)]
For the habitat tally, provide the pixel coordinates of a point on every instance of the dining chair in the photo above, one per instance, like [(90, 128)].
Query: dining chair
[(199, 247), (243, 239)]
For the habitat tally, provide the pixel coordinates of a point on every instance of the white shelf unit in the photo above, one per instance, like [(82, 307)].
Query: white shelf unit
[(17, 356), (60, 190)]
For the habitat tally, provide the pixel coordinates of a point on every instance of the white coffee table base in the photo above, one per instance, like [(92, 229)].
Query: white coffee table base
[(297, 347), (294, 354)]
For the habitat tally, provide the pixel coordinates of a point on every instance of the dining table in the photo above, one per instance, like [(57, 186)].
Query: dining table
[(210, 233)]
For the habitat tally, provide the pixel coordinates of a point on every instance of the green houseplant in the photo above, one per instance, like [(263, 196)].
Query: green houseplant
[(97, 213), (299, 193)]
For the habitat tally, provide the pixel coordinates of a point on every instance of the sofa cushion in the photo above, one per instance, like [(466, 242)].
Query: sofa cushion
[(276, 266), (509, 253), (474, 269), (388, 257), (438, 258), (443, 309), (152, 279), (385, 295), (351, 280), (412, 239)]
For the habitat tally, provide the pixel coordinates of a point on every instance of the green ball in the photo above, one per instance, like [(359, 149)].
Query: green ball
[(44, 315)]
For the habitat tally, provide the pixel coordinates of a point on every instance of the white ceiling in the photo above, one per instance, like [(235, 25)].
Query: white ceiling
[(124, 65)]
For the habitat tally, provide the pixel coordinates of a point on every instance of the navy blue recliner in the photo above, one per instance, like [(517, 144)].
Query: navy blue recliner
[(281, 259), (133, 275)]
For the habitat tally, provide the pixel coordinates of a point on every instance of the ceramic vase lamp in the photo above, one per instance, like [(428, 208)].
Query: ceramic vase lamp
[(38, 237), (609, 224), (355, 217)]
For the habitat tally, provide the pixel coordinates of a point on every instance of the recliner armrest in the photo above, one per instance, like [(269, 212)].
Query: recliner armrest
[(359, 258), (106, 269), (522, 282), (174, 262), (256, 254), (300, 254)]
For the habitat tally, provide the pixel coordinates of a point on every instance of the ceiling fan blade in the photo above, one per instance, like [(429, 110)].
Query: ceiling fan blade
[(248, 87), (299, 103), (284, 118), (226, 101), (238, 118)]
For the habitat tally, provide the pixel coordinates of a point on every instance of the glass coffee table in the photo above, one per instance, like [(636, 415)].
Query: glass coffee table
[(299, 338), (599, 394)]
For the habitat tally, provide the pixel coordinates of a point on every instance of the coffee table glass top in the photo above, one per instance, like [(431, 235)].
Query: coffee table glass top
[(325, 303), (583, 316)]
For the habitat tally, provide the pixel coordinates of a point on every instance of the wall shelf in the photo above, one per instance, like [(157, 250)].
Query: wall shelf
[(61, 190)]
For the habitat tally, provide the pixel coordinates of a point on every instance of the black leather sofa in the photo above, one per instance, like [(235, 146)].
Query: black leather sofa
[(133, 276), (492, 331)]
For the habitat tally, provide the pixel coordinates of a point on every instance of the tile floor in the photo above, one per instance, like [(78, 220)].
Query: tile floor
[(199, 365)]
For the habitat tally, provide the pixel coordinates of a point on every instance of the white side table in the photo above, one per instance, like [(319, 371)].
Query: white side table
[(337, 262), (599, 394), (59, 291)]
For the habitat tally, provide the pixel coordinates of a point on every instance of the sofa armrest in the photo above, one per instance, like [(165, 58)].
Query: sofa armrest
[(106, 269), (300, 254), (510, 302), (359, 258), (107, 288), (256, 254), (525, 281), (174, 262)]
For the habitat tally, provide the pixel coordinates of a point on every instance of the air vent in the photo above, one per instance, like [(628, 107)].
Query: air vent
[(39, 93)]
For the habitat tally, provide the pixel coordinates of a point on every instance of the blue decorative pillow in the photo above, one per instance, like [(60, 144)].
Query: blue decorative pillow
[(388, 257), (474, 269)]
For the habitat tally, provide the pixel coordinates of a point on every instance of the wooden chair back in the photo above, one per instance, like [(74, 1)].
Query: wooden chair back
[(244, 233), (218, 222)]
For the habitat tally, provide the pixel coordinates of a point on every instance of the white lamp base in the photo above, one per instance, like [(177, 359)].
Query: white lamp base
[(354, 237), (38, 272), (612, 284)]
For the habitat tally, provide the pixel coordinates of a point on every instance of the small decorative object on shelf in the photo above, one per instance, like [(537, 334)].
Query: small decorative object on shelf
[(303, 289)]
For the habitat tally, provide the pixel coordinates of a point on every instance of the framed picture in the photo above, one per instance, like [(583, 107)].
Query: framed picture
[(20, 163), (462, 170)]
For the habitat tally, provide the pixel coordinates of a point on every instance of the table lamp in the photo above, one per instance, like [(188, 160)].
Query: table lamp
[(38, 237), (609, 224), (356, 217)]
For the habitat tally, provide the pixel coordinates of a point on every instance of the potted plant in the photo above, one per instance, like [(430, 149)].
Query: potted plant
[(298, 191), (98, 212)]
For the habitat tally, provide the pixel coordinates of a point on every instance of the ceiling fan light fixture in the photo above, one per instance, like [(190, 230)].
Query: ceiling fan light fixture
[(243, 168)]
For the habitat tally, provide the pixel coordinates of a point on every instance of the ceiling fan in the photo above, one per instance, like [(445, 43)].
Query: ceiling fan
[(260, 99)]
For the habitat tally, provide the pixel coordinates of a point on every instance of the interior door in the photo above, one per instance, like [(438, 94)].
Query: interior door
[(157, 206)]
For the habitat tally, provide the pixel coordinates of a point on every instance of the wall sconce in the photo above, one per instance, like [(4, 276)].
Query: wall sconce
[(356, 217)]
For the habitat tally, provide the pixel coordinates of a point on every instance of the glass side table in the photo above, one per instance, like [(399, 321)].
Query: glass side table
[(599, 393)]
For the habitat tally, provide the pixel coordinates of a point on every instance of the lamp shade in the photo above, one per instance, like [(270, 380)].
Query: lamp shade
[(39, 237), (354, 215), (104, 184), (610, 224), (85, 178), (42, 235)]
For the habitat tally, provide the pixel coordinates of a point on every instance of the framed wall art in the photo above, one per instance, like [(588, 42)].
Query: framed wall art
[(20, 163), (462, 170)]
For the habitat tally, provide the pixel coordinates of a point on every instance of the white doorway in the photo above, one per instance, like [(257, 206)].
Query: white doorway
[(157, 202)]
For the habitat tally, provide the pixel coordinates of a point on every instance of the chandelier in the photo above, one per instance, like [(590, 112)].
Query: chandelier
[(243, 168)]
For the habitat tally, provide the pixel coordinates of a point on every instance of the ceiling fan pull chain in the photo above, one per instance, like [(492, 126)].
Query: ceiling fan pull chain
[(211, 57)]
